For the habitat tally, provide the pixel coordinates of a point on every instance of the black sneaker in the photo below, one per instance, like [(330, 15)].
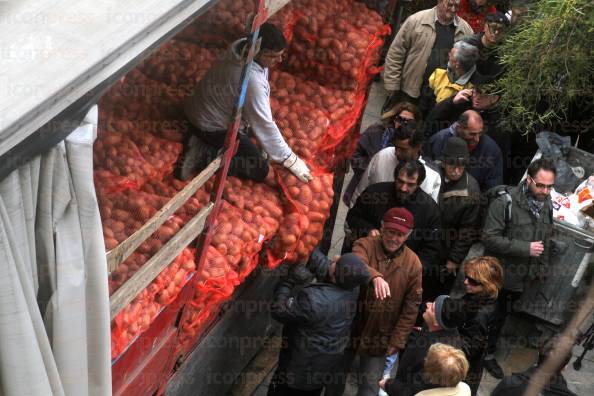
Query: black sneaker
[(194, 159), (493, 368)]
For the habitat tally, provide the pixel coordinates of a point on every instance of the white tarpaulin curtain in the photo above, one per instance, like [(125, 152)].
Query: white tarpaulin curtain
[(54, 303)]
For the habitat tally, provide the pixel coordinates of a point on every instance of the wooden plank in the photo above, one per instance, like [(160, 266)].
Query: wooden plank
[(153, 267), (125, 249)]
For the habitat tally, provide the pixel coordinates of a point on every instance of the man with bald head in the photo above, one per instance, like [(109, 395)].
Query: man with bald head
[(485, 161)]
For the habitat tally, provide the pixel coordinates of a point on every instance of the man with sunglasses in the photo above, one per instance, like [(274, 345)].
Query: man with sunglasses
[(520, 241)]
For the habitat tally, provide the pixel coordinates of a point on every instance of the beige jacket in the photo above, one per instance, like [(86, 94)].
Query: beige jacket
[(407, 57)]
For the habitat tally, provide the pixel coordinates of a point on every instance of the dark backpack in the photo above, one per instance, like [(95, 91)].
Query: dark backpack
[(491, 195)]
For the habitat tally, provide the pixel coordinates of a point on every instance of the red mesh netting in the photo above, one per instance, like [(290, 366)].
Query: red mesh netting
[(119, 155), (222, 24), (302, 126), (137, 316), (179, 64), (314, 133), (260, 204), (162, 154), (213, 286), (307, 207), (335, 53), (335, 45)]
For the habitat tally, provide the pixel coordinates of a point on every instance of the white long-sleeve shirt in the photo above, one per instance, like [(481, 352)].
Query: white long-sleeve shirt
[(210, 107), (381, 169)]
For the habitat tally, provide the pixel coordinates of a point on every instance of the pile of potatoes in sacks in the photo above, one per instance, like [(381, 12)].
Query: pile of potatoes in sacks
[(142, 125), (136, 317), (334, 51)]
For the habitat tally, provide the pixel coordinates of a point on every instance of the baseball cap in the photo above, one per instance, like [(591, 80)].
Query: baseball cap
[(497, 17), (399, 219)]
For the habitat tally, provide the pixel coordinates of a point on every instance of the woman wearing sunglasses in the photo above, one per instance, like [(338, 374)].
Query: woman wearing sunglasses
[(377, 137), (474, 313)]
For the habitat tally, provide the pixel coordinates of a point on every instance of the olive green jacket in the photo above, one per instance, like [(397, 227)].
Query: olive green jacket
[(511, 243)]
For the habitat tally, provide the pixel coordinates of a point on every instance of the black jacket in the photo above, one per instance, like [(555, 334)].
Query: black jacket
[(369, 144), (412, 358), (480, 316), (516, 385), (317, 319), (368, 211), (459, 204)]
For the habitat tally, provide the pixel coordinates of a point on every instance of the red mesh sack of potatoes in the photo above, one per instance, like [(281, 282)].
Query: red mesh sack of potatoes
[(337, 143), (334, 52), (260, 204), (287, 88), (314, 8), (141, 312), (214, 284), (234, 238), (302, 126), (145, 105), (138, 97), (364, 18), (134, 319), (343, 108), (110, 183), (119, 155), (307, 207), (224, 23), (285, 19), (123, 213), (125, 270), (162, 154), (166, 189), (179, 64)]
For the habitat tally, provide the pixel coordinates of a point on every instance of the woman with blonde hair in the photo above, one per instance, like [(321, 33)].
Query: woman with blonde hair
[(444, 371), (474, 313), (446, 367)]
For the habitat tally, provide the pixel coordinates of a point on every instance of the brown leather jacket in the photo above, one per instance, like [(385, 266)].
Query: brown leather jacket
[(387, 323)]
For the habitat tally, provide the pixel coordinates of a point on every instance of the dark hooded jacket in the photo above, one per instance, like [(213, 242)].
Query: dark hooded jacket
[(473, 316), (317, 322), (412, 359)]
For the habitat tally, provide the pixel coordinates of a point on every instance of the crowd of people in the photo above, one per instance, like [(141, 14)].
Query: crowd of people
[(429, 180)]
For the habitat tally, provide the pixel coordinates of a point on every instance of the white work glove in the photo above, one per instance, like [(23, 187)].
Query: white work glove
[(298, 168)]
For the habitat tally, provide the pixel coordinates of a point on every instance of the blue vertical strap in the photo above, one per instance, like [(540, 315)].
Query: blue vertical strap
[(245, 72)]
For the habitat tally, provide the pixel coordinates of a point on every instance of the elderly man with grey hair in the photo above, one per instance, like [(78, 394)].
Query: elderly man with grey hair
[(460, 72), (420, 46)]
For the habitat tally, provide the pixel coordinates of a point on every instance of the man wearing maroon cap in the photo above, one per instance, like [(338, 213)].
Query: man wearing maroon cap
[(389, 303)]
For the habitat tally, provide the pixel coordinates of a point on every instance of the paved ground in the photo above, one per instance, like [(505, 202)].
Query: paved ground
[(513, 355)]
